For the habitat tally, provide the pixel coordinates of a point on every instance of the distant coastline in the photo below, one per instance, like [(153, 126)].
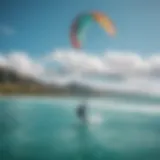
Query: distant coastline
[(13, 84), (24, 91), (30, 89)]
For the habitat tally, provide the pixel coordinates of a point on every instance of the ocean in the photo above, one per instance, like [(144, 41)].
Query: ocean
[(46, 128)]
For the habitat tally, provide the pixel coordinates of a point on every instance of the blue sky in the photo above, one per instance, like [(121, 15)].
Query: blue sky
[(40, 26), (33, 29)]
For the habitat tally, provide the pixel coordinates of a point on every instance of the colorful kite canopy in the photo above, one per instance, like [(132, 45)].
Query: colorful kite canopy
[(83, 20)]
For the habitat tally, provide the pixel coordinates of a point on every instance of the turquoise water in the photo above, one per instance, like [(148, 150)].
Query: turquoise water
[(47, 128)]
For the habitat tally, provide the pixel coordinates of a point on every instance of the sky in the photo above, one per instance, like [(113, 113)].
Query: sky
[(35, 36)]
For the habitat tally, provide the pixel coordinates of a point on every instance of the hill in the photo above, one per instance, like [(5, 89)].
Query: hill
[(12, 83)]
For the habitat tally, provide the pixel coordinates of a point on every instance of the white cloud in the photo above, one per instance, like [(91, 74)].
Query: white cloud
[(130, 85), (6, 30), (141, 75), (22, 63), (80, 62), (3, 61), (151, 87), (112, 63)]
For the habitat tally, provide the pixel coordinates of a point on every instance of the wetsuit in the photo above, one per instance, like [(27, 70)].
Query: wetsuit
[(81, 112)]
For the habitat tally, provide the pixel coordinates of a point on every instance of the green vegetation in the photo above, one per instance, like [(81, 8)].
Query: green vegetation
[(33, 89)]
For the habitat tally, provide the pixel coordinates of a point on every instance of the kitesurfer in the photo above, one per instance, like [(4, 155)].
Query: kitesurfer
[(81, 112)]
